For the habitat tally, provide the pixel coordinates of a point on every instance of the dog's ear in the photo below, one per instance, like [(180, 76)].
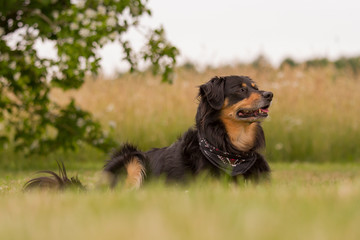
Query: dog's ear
[(213, 92)]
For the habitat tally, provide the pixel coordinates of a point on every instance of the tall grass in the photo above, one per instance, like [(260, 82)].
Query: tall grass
[(314, 115)]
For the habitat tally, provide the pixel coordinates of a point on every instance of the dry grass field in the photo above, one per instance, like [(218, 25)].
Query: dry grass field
[(313, 117)]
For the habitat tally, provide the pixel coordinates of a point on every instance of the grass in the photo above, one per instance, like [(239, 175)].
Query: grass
[(312, 146), (304, 201), (313, 117)]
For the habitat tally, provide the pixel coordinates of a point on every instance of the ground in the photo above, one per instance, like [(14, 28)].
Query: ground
[(303, 201)]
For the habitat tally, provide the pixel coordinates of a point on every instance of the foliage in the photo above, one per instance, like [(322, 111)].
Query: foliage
[(352, 64), (78, 29), (317, 62), (288, 62), (261, 62)]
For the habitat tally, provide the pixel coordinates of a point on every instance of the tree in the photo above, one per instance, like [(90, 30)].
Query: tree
[(78, 29)]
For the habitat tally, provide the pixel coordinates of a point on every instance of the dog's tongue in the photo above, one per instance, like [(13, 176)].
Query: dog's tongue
[(266, 110)]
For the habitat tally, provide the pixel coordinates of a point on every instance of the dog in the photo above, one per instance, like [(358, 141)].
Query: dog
[(226, 139)]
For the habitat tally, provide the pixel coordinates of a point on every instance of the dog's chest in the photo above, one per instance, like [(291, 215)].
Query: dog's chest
[(242, 136)]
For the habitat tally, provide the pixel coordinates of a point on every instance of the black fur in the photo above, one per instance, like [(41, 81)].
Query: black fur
[(54, 181), (184, 157)]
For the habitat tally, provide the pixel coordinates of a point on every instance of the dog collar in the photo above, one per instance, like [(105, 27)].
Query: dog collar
[(232, 164)]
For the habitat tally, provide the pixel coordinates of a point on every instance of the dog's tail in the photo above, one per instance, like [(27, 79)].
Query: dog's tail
[(130, 158), (54, 181)]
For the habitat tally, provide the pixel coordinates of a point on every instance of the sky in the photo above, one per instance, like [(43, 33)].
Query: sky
[(213, 32)]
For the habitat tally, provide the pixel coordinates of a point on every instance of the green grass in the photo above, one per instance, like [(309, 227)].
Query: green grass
[(312, 146), (303, 201)]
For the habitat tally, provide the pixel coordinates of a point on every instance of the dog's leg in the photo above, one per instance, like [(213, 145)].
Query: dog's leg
[(130, 158)]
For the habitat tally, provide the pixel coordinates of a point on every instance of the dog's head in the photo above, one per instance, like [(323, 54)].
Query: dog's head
[(237, 98)]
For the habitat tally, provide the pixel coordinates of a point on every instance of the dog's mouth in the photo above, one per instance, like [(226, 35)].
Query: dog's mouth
[(253, 113)]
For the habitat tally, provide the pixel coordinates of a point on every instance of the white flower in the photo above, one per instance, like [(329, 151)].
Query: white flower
[(88, 129), (82, 43), (27, 59), (37, 64), (74, 26), (3, 81), (57, 29), (65, 58), (111, 22), (112, 13), (80, 4), (84, 32), (113, 35), (279, 146), (60, 75), (112, 124), (80, 16), (47, 63), (69, 40), (86, 21), (101, 9), (17, 76), (55, 14), (80, 122), (90, 13), (110, 108), (70, 12), (93, 25), (12, 65), (103, 41)]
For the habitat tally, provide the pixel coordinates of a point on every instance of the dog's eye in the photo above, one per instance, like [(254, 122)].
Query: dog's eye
[(242, 90)]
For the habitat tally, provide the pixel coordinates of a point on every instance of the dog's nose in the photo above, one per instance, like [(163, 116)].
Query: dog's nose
[(268, 95)]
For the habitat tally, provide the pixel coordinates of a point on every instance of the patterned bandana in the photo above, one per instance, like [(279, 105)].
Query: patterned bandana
[(232, 164)]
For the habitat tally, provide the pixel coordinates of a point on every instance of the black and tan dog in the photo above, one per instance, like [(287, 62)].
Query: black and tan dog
[(226, 139)]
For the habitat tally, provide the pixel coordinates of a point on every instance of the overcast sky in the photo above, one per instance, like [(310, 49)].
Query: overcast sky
[(227, 31)]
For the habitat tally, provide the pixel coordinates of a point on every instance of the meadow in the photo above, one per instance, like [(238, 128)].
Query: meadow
[(313, 117), (312, 146)]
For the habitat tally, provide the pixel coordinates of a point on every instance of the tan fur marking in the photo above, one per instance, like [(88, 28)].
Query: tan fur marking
[(135, 173), (242, 134), (226, 102), (253, 84), (249, 102), (244, 85)]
